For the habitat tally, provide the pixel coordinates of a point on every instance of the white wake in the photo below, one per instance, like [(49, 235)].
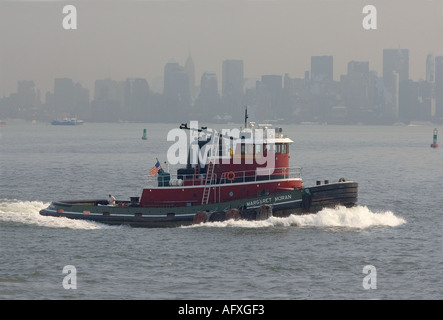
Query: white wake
[(359, 217)]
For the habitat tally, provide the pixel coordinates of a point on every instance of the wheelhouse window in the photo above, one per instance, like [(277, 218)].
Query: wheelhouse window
[(285, 148), (282, 148)]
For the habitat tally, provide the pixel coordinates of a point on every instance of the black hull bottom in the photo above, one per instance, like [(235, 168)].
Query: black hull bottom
[(305, 201)]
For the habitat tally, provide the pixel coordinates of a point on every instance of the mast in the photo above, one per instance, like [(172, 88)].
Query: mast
[(246, 117)]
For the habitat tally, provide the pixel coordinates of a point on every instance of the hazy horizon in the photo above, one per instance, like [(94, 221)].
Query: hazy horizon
[(122, 39)]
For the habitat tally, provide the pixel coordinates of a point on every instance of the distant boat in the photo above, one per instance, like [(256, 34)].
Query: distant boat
[(2, 123), (67, 122)]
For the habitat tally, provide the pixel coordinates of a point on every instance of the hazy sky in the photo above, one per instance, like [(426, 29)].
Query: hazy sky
[(118, 39)]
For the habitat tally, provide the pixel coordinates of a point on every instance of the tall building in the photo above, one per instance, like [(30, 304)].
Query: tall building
[(209, 85), (358, 67), (176, 92), (190, 71), (430, 68), (270, 97), (357, 91), (391, 86), (409, 101), (322, 87), (232, 87), (439, 87), (208, 102), (322, 68), (396, 60), (136, 98), (426, 101), (108, 100), (296, 93), (69, 99), (232, 77), (176, 82), (395, 78), (26, 94), (63, 97)]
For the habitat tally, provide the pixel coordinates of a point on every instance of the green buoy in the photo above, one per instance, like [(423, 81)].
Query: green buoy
[(144, 137)]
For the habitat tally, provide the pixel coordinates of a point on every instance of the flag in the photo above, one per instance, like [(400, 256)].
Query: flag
[(155, 169)]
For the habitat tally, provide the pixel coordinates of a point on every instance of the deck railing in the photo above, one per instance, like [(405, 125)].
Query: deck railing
[(197, 179)]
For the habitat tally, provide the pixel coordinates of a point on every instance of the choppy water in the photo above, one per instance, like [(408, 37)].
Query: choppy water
[(396, 228)]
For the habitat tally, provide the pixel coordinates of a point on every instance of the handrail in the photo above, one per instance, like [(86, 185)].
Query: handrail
[(197, 179)]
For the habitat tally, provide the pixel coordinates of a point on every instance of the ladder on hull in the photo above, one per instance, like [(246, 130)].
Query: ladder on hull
[(209, 180)]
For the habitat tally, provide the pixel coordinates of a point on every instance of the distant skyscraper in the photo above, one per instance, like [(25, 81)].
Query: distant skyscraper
[(208, 102), (190, 71), (396, 60), (273, 82), (358, 67), (232, 77), (176, 93), (391, 86), (136, 98), (176, 83), (274, 87), (26, 94), (439, 87), (409, 103), (108, 90), (430, 68), (108, 100), (269, 97), (358, 93), (322, 68), (64, 96), (232, 87), (395, 74), (209, 84), (322, 87)]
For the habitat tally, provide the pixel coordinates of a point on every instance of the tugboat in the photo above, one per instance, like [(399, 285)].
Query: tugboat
[(235, 177)]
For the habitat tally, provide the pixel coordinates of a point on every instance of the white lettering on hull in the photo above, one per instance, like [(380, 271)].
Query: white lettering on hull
[(269, 200)]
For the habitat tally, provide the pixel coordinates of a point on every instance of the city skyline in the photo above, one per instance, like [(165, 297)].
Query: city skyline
[(135, 39), (361, 95), (157, 86), (326, 60)]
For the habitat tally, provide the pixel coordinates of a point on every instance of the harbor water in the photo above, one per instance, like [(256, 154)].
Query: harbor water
[(388, 247)]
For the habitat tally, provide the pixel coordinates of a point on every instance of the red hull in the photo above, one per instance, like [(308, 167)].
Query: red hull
[(192, 195)]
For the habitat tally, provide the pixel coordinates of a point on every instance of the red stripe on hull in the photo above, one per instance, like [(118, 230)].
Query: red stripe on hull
[(188, 196)]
